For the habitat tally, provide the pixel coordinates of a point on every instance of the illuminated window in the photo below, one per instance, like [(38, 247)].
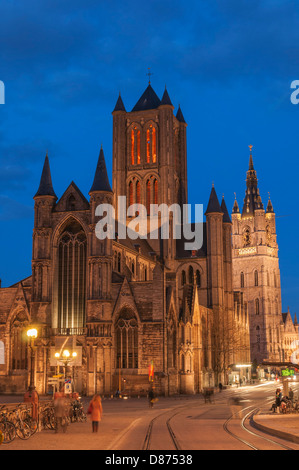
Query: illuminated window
[(148, 196), (135, 146), (151, 145), (132, 147)]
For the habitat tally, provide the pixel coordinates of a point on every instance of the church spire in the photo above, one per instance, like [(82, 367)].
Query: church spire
[(252, 201), (213, 205), (270, 206), (45, 186), (226, 217), (119, 106), (101, 180)]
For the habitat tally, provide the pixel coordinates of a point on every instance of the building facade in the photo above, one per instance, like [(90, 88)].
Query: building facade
[(125, 305)]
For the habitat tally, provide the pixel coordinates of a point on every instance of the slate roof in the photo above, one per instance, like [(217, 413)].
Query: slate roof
[(45, 186), (101, 180), (149, 100)]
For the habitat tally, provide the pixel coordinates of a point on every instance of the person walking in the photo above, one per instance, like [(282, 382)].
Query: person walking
[(61, 412), (95, 410), (151, 397), (278, 398)]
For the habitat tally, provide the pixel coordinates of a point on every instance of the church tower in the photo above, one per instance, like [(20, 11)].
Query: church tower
[(256, 271), (149, 156), (45, 199)]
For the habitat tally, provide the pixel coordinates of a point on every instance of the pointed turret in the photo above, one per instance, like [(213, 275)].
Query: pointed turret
[(236, 209), (213, 205), (226, 217), (119, 105), (45, 186), (165, 99), (148, 100), (252, 201), (295, 320), (101, 180), (179, 115), (270, 207)]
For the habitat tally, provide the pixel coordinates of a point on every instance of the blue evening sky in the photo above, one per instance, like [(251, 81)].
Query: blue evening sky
[(228, 63)]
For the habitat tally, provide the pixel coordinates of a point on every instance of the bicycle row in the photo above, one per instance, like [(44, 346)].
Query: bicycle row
[(17, 421)]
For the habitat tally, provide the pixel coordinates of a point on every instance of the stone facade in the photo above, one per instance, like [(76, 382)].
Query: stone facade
[(123, 305)]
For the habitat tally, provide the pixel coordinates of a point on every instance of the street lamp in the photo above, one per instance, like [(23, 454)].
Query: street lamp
[(66, 357), (32, 335)]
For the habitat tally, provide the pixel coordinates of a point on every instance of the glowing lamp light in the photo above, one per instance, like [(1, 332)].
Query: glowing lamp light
[(32, 333), (66, 353)]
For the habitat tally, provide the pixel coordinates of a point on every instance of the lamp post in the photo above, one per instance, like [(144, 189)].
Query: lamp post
[(66, 357), (32, 335), (31, 396)]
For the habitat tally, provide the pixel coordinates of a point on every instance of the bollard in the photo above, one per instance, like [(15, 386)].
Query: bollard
[(32, 397)]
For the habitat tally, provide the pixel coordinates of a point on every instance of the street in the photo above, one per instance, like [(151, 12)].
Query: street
[(174, 423)]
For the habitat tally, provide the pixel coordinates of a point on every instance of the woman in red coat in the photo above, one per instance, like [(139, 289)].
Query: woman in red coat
[(95, 410)]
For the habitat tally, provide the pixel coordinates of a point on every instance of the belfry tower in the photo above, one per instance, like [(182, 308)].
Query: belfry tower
[(256, 269)]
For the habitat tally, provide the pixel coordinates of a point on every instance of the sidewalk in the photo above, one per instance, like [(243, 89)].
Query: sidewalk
[(279, 425)]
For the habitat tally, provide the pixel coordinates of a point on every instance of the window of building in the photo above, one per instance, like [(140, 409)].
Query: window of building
[(183, 278), (257, 306), (256, 278), (190, 275), (127, 341), (151, 144), (72, 277), (135, 146), (198, 278), (242, 280)]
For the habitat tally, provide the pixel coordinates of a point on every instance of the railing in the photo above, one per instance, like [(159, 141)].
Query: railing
[(68, 331)]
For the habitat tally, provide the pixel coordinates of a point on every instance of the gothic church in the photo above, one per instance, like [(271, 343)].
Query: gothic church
[(126, 305)]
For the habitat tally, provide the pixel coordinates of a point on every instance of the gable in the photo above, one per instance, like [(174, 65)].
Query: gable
[(72, 200)]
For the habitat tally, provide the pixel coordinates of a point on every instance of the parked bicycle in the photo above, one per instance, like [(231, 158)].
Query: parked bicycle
[(7, 427)]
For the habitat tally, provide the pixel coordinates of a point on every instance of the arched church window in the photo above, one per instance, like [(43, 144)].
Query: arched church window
[(138, 193), (155, 192), (135, 146), (190, 275), (256, 278), (127, 340), (148, 197), (19, 343), (72, 277), (198, 278), (242, 280), (257, 306), (131, 194), (183, 278), (119, 262), (151, 144)]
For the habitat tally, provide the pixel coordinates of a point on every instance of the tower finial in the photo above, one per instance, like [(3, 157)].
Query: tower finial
[(149, 74)]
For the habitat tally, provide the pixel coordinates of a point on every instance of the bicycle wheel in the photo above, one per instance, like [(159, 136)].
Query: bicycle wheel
[(23, 430), (8, 430), (32, 423)]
